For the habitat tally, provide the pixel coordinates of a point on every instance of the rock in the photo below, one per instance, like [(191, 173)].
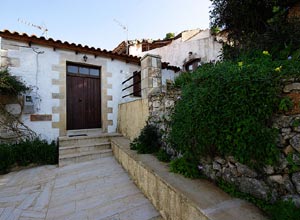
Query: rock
[(295, 142), (280, 141), (156, 104), (288, 150), (296, 159), (296, 129), (294, 198), (277, 179), (283, 163), (243, 170), (231, 159), (217, 166), (286, 130), (207, 169), (254, 187), (290, 87), (227, 175), (220, 160), (296, 181), (169, 103), (282, 121), (268, 169), (288, 185)]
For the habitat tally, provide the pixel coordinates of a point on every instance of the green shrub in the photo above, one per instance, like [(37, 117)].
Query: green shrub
[(227, 109), (183, 79), (26, 152), (6, 157), (148, 142), (163, 155), (186, 166), (286, 104), (10, 85)]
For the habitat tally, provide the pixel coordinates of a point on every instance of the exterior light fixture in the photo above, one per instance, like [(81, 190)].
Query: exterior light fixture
[(85, 58)]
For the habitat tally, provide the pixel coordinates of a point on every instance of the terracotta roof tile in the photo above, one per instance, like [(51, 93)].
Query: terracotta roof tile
[(76, 47), (23, 37)]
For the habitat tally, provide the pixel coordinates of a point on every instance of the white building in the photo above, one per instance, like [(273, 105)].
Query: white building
[(73, 87), (186, 50)]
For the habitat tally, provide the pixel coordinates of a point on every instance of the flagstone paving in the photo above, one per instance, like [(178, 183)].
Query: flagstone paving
[(98, 189)]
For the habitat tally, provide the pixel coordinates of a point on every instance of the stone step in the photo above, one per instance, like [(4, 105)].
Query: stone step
[(71, 150), (86, 140), (83, 157)]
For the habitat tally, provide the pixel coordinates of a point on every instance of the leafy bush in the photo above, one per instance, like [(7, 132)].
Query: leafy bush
[(148, 142), (6, 157), (227, 109), (10, 85), (183, 79), (26, 152), (285, 104), (260, 25), (186, 166), (163, 155)]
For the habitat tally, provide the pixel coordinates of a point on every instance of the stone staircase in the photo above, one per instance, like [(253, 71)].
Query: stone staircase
[(77, 148)]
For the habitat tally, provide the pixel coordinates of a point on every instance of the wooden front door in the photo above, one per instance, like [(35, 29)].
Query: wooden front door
[(83, 97)]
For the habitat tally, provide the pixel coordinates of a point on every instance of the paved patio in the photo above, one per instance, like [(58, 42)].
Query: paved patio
[(98, 189)]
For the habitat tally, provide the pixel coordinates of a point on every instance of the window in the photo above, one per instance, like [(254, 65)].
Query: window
[(192, 64), (137, 84), (74, 69)]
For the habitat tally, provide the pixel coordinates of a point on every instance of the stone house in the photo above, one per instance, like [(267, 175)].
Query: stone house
[(186, 50), (72, 87)]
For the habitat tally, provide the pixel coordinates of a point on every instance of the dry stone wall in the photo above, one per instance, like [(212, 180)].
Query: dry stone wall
[(281, 181)]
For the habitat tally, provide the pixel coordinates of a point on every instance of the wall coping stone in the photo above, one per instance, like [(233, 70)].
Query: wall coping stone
[(177, 197), (150, 55)]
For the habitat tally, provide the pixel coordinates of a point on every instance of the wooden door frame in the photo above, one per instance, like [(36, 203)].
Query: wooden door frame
[(68, 63)]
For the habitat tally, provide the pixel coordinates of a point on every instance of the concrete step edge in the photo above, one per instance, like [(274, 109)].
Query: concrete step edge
[(83, 146), (104, 135), (84, 154)]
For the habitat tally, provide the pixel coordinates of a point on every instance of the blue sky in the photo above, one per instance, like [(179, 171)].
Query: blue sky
[(92, 22)]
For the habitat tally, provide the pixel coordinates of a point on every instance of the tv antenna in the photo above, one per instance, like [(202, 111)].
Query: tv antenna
[(40, 27), (125, 28)]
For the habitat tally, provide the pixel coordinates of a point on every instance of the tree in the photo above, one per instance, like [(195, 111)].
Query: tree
[(261, 24), (169, 36)]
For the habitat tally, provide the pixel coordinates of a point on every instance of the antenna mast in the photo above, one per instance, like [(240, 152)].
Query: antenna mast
[(125, 28), (40, 27)]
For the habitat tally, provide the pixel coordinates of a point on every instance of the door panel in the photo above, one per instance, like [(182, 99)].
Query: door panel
[(83, 102)]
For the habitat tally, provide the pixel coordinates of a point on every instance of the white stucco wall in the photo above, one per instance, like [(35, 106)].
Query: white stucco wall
[(120, 71), (168, 75), (175, 53), (135, 49), (36, 70), (39, 72)]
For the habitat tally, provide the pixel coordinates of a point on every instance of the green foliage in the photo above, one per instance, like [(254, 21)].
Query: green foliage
[(256, 25), (10, 85), (6, 157), (186, 166), (169, 36), (292, 165), (227, 109), (148, 142), (281, 210), (296, 123), (26, 152), (183, 79), (163, 155), (286, 104)]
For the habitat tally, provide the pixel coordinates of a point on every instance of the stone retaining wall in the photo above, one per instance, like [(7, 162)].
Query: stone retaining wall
[(271, 182), (176, 197)]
